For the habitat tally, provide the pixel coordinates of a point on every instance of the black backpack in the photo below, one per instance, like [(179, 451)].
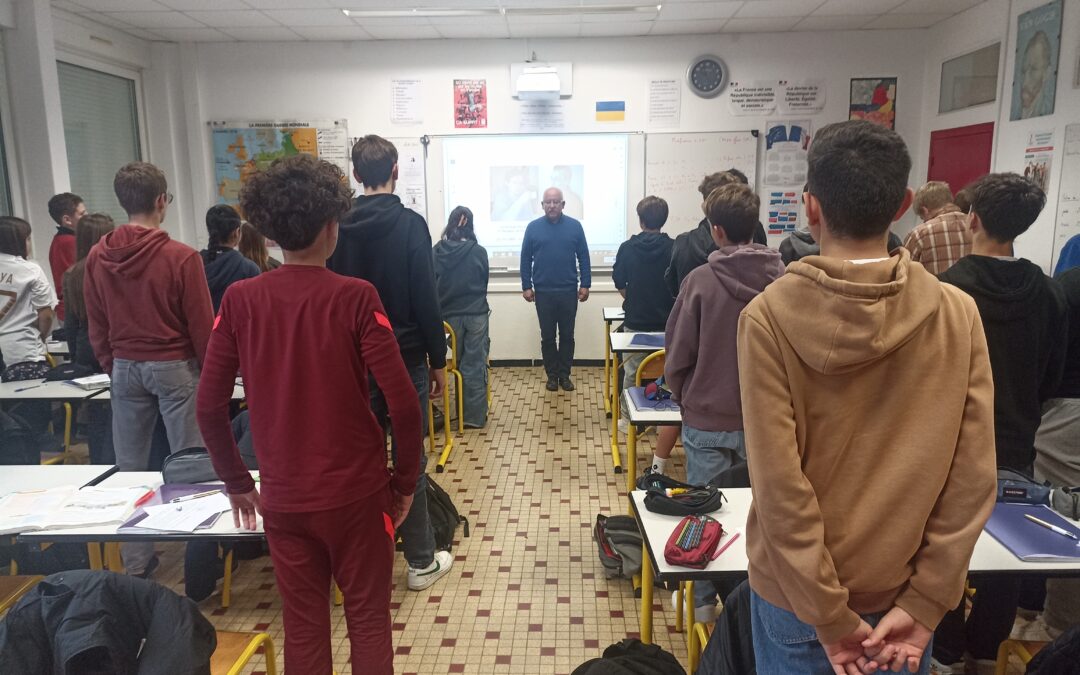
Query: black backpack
[(632, 657), (1060, 657), (444, 516), (618, 543)]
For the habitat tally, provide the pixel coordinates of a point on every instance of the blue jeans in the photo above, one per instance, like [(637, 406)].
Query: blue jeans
[(417, 537), (473, 344), (783, 644), (707, 454)]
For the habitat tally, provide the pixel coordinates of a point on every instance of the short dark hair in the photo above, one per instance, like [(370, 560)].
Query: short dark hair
[(13, 235), (1007, 204), (715, 180), (221, 221), (653, 212), (138, 185), (91, 228), (734, 208), (740, 175), (295, 198), (373, 159), (63, 204), (458, 229), (962, 200), (858, 171)]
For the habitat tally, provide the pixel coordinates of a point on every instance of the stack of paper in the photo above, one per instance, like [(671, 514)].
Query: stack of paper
[(184, 516), (66, 507), (89, 382)]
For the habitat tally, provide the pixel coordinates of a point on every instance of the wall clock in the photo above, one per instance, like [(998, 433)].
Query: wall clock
[(707, 76)]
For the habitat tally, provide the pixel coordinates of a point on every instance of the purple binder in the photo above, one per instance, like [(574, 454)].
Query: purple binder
[(1030, 541), (647, 340), (168, 492), (637, 397)]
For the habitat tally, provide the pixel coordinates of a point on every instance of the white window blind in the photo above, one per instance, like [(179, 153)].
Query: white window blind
[(6, 208), (101, 129)]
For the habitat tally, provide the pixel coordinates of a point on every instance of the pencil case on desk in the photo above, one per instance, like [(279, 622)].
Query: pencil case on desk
[(682, 500), (700, 535)]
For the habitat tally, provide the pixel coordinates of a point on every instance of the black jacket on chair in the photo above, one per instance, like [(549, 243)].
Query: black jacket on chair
[(84, 622)]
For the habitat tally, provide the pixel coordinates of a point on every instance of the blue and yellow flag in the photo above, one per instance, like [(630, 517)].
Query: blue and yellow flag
[(610, 111)]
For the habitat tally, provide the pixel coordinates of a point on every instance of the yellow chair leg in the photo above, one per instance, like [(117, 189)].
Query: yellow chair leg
[(448, 435), (430, 426), (339, 599), (93, 554), (689, 622), (261, 640), (679, 607), (646, 596), (487, 376), (13, 568), (631, 458), (226, 582), (113, 559), (459, 394), (615, 459), (607, 368), (68, 415)]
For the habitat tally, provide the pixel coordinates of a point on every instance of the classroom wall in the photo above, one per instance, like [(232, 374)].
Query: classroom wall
[(352, 80)]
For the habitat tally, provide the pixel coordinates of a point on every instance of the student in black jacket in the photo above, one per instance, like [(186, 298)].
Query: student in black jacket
[(461, 278), (639, 276), (224, 264), (388, 245), (692, 248), (1025, 316)]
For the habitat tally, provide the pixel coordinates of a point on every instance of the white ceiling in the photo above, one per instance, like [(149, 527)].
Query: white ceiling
[(278, 20)]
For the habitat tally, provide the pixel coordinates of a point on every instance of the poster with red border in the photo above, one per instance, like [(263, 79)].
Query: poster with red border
[(470, 104)]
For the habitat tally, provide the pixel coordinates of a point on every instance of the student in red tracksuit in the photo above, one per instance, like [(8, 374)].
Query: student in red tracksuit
[(306, 339)]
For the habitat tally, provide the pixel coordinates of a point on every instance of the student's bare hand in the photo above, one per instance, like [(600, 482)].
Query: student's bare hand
[(897, 643), (244, 508), (399, 508), (438, 382), (846, 654), (582, 294), (529, 295)]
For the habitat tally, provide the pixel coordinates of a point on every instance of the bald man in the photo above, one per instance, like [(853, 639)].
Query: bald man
[(555, 274)]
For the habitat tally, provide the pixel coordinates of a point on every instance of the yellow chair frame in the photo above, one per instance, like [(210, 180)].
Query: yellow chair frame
[(1025, 650), (650, 368), (451, 371), (255, 642), (68, 417)]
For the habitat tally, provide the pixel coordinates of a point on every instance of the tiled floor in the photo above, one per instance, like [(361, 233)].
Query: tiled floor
[(526, 594)]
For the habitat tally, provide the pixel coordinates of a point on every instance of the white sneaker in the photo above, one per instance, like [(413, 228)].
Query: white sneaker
[(421, 579), (624, 426), (703, 614), (939, 668)]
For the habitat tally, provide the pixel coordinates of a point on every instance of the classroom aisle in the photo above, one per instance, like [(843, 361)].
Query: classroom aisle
[(526, 594)]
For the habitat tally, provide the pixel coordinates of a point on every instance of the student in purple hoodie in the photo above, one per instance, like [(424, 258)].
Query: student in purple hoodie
[(702, 367)]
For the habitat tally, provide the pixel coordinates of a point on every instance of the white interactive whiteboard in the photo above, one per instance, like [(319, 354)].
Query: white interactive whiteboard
[(675, 164)]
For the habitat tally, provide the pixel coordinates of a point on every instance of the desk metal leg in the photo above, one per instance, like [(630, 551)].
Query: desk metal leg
[(693, 649), (615, 460), (448, 434), (646, 596), (93, 554), (631, 458), (607, 368)]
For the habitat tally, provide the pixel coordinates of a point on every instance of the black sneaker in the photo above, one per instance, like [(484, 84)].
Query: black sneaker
[(553, 384), (566, 384)]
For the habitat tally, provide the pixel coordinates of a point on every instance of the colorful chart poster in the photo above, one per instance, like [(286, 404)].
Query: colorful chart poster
[(1038, 43), (786, 145), (873, 99), (470, 104)]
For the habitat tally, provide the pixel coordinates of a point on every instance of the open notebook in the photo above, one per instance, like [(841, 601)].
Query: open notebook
[(66, 507), (1029, 541)]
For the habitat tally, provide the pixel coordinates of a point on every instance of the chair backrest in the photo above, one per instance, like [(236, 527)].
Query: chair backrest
[(651, 368), (451, 359)]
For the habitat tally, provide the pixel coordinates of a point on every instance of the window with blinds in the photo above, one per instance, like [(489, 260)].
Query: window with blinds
[(6, 208), (101, 129)]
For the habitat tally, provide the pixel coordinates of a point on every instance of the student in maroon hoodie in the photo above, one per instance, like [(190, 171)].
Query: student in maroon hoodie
[(702, 366), (149, 314), (328, 503)]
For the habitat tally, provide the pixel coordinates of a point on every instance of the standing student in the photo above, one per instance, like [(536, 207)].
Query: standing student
[(639, 277), (66, 210), (252, 246), (943, 236), (89, 231), (461, 278), (863, 521), (223, 263), (328, 503), (388, 245), (702, 366), (150, 315), (1024, 314), (556, 274), (26, 316)]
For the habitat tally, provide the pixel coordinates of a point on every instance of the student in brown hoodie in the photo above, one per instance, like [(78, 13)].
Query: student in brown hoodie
[(861, 517), (701, 366), (149, 315)]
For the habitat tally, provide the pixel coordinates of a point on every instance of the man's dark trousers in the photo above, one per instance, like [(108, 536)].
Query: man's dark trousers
[(557, 310)]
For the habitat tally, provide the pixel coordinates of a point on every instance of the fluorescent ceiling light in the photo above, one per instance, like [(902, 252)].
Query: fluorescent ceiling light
[(436, 12)]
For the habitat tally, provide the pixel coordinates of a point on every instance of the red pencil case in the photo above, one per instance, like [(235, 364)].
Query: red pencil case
[(693, 541)]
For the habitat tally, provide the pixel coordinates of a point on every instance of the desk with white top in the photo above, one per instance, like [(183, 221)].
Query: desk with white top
[(40, 390), (989, 556), (611, 315), (668, 416), (28, 477), (621, 342)]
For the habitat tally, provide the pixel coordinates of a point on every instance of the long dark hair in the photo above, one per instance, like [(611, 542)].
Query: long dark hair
[(13, 235), (91, 228), (459, 226), (221, 221)]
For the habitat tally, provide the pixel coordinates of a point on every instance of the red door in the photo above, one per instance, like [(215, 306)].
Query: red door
[(959, 156)]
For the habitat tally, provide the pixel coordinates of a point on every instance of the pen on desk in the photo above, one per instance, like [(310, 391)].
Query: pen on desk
[(145, 498), (195, 496), (27, 388), (725, 546), (1053, 528)]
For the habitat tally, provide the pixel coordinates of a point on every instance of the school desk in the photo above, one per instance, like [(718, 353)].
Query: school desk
[(611, 315), (622, 343), (668, 416)]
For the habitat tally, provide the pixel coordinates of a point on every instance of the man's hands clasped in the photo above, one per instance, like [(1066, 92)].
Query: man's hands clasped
[(896, 644)]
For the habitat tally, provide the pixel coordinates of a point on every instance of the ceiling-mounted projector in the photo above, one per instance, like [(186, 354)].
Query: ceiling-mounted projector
[(539, 83)]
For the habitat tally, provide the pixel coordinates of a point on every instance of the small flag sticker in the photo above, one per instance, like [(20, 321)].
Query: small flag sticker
[(610, 111)]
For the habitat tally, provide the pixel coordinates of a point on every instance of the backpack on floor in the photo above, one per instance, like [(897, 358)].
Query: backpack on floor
[(444, 516), (619, 545), (632, 657)]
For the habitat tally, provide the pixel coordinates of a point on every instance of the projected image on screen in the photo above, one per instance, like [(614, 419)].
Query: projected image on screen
[(503, 179)]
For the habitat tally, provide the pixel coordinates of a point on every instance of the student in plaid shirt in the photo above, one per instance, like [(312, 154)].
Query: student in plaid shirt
[(943, 237)]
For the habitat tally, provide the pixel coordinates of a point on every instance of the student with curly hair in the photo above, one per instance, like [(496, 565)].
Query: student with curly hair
[(328, 503)]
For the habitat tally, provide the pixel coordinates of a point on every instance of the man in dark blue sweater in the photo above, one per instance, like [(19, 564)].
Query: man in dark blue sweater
[(552, 254)]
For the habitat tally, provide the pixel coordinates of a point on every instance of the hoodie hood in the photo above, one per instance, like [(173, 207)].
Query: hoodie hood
[(450, 253), (130, 249), (372, 217), (1005, 290), (745, 271), (863, 312), (649, 247)]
